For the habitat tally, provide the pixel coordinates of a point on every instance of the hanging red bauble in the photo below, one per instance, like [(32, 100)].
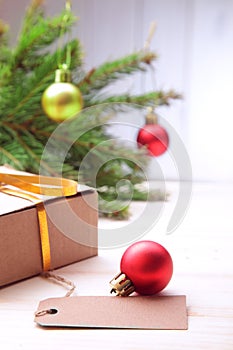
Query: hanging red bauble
[(153, 136), (146, 268)]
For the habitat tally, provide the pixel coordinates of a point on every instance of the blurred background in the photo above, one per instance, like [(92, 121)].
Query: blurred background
[(194, 41)]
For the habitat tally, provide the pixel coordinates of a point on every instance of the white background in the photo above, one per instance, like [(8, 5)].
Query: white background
[(194, 40)]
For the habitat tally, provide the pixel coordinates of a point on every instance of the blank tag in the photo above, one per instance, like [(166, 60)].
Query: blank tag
[(138, 312)]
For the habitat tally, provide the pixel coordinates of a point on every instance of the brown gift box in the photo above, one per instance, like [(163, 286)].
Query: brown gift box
[(72, 226)]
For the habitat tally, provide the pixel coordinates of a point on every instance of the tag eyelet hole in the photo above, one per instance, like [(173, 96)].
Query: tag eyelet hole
[(52, 311)]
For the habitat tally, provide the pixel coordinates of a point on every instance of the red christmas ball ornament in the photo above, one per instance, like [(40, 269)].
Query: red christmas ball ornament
[(153, 136), (146, 268)]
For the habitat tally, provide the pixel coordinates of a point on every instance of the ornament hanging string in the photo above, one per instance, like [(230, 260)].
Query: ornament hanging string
[(67, 63), (147, 45), (150, 36)]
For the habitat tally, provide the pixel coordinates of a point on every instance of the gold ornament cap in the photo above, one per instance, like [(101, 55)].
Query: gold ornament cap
[(62, 75), (151, 117), (121, 285)]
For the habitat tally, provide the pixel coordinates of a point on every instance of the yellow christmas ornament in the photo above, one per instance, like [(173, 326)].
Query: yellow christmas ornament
[(62, 99)]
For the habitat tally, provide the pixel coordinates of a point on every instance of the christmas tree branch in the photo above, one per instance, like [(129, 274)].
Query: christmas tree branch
[(10, 159), (5, 54), (155, 98), (108, 72), (35, 154), (34, 13), (40, 36), (3, 34)]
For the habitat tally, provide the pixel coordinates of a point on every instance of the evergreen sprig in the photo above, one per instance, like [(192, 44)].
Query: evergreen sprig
[(158, 98), (108, 72)]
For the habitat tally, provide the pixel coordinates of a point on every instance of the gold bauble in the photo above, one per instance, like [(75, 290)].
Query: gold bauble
[(62, 99)]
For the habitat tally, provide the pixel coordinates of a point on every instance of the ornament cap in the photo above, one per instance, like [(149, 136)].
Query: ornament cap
[(62, 75), (121, 285), (151, 117)]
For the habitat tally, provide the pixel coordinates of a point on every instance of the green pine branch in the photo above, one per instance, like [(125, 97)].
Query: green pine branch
[(154, 98), (5, 54), (39, 33), (108, 72)]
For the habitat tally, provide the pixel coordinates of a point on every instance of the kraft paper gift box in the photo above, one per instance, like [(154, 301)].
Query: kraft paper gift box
[(72, 226)]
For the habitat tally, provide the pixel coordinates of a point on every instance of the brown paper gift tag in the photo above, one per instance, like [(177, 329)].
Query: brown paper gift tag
[(137, 312)]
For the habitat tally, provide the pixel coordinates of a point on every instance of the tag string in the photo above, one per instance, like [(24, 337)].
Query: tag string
[(60, 280)]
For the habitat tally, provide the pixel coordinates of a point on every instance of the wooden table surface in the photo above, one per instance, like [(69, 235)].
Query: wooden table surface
[(202, 251)]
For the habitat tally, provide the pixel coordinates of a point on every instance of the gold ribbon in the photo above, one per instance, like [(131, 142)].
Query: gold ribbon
[(40, 185)]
